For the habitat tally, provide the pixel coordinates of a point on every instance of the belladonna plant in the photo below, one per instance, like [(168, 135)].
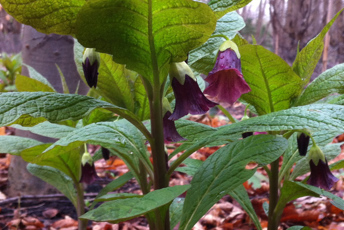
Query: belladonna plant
[(88, 170), (188, 95), (226, 82)]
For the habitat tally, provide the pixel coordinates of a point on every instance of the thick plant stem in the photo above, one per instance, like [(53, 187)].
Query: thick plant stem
[(82, 224), (273, 197)]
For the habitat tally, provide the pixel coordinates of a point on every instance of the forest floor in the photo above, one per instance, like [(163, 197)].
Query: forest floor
[(54, 211)]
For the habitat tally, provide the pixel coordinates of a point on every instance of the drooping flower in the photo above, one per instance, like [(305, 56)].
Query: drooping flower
[(90, 65), (170, 131), (226, 82), (321, 175), (88, 173), (188, 95), (302, 143)]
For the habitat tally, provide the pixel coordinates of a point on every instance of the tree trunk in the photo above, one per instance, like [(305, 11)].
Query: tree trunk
[(41, 52)]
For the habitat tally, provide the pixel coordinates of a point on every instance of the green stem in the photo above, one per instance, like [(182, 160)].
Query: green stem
[(157, 143), (273, 196), (82, 223), (220, 36), (225, 112)]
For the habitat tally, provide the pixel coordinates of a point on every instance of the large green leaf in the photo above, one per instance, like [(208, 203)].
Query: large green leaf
[(307, 59), (69, 162), (272, 81), (176, 209), (221, 7), (240, 195), (145, 35), (330, 81), (224, 171), (120, 134), (316, 117), (31, 108), (14, 145), (26, 84), (125, 209), (141, 99), (57, 16), (47, 129), (56, 178), (115, 83), (202, 59)]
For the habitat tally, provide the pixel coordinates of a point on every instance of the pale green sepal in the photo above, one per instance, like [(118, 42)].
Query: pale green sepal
[(166, 106), (315, 154), (178, 70), (228, 44), (86, 158), (92, 55)]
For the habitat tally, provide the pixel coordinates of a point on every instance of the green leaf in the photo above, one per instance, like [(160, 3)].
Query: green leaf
[(56, 178), (115, 83), (68, 162), (47, 129), (307, 59), (221, 7), (202, 59), (240, 195), (193, 131), (191, 166), (31, 108), (225, 170), (26, 84), (176, 209), (316, 117), (56, 16), (126, 209), (141, 99), (145, 35), (116, 196), (330, 81), (37, 76), (113, 185), (272, 81), (14, 145), (120, 134)]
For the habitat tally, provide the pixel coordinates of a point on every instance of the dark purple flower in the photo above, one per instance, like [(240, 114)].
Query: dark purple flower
[(226, 83), (302, 143), (247, 134), (189, 99), (106, 153), (88, 173), (170, 131), (91, 72), (321, 175)]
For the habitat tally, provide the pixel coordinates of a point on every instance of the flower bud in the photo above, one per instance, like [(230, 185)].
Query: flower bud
[(90, 65), (302, 143)]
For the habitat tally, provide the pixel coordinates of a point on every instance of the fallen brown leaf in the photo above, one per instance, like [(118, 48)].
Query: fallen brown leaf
[(50, 213)]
